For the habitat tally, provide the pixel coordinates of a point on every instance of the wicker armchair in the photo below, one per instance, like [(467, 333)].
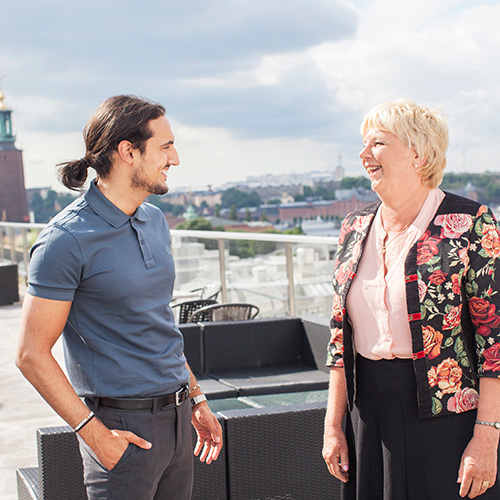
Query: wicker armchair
[(186, 309), (224, 312)]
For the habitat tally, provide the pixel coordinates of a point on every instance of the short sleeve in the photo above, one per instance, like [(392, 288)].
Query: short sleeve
[(56, 265)]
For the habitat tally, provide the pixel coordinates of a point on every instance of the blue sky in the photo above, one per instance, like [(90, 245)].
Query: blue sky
[(268, 86)]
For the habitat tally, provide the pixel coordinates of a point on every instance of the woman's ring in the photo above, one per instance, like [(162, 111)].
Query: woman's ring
[(486, 484)]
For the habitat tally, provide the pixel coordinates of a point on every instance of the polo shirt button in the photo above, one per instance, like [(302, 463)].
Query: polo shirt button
[(142, 242)]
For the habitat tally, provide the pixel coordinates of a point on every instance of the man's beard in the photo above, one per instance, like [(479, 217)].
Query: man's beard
[(139, 180)]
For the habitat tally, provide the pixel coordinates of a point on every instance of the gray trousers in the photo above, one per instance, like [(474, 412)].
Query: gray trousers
[(163, 472)]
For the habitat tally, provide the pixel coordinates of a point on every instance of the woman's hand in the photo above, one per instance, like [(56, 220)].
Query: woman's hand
[(478, 467), (335, 453)]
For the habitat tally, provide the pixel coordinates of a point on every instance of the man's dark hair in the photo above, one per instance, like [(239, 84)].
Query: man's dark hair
[(119, 118)]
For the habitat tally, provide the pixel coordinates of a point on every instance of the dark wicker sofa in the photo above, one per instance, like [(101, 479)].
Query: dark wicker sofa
[(271, 453), (264, 356)]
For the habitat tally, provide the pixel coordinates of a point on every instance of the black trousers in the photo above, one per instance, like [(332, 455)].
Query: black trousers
[(395, 455), (164, 472)]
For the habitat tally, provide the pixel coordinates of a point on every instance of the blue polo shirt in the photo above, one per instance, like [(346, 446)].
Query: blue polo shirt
[(120, 339)]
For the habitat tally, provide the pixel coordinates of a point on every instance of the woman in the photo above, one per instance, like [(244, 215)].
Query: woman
[(415, 326)]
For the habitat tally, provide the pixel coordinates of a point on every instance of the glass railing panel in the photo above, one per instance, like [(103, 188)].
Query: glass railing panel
[(281, 274)]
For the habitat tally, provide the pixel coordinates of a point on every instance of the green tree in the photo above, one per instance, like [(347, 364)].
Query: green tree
[(161, 203), (248, 215), (308, 191), (355, 182), (45, 208), (232, 213), (295, 230), (250, 248), (198, 224), (178, 210), (324, 193), (201, 224), (239, 198)]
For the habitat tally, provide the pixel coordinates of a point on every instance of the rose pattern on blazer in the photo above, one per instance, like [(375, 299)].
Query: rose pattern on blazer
[(453, 302)]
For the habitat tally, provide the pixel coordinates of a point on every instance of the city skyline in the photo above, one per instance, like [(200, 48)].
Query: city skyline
[(250, 89)]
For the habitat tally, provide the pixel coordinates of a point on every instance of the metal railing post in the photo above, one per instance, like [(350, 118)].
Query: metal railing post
[(2, 236), (12, 237), (291, 284), (222, 269), (26, 261)]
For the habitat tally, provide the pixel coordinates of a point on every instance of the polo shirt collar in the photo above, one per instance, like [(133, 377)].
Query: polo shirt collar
[(109, 212), (141, 214)]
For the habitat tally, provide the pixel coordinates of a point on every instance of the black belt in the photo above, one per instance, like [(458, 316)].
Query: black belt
[(174, 399)]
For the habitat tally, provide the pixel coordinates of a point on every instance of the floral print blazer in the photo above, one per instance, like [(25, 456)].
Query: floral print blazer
[(453, 303)]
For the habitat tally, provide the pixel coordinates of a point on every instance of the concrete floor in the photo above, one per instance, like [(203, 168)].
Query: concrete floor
[(22, 410)]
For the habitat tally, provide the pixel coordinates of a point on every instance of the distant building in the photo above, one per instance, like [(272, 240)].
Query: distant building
[(282, 192), (211, 198), (13, 200), (339, 170), (337, 208)]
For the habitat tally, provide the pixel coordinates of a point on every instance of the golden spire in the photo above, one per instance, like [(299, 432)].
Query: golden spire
[(2, 95)]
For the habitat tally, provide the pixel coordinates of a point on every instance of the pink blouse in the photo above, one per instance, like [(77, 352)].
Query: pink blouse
[(376, 301)]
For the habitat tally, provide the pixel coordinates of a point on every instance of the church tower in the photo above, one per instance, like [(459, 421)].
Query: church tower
[(13, 200)]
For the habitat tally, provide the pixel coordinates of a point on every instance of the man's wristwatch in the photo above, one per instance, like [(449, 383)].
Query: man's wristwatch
[(198, 399)]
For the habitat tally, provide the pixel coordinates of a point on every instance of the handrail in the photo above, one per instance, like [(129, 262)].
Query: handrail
[(20, 225), (237, 235)]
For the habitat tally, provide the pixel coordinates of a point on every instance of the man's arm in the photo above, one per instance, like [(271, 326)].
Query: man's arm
[(207, 426), (42, 323)]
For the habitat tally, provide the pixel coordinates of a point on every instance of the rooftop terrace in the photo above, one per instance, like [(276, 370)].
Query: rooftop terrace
[(22, 410)]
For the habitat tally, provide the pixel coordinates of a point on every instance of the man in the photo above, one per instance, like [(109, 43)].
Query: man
[(102, 275)]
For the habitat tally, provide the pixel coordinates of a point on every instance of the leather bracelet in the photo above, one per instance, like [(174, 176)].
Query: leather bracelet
[(496, 425)]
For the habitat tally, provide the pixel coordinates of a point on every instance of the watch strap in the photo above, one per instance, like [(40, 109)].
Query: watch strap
[(198, 399)]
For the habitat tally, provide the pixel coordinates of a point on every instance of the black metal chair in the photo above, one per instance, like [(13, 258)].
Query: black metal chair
[(235, 311), (210, 291), (187, 308)]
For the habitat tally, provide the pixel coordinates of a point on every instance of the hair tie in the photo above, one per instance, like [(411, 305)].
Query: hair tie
[(84, 161)]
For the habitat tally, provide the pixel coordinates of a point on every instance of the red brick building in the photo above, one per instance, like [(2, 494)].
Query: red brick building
[(13, 200), (312, 209)]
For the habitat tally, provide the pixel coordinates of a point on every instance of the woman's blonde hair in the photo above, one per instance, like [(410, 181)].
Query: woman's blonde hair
[(424, 129)]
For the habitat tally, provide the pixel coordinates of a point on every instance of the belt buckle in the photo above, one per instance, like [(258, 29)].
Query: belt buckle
[(178, 394)]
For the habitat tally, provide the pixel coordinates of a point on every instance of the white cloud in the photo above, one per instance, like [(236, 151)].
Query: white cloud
[(252, 87), (212, 156), (42, 151)]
